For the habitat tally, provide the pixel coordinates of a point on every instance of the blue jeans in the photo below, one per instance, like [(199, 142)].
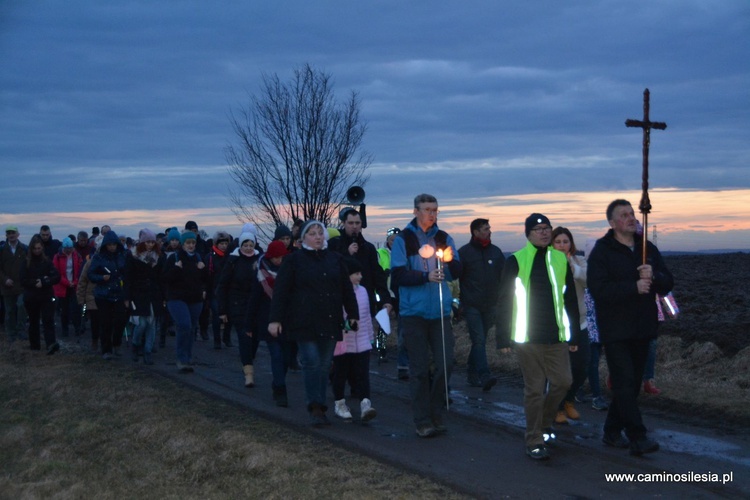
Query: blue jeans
[(144, 333), (594, 355), (15, 317), (402, 355), (315, 358), (479, 324), (185, 316), (279, 351), (424, 340)]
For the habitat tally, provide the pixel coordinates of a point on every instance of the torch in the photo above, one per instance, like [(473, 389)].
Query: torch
[(440, 264)]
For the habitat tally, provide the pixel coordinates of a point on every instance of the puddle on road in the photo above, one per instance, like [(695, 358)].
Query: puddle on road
[(671, 440), (682, 442)]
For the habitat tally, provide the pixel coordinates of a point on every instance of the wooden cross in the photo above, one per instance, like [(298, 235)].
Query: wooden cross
[(646, 125)]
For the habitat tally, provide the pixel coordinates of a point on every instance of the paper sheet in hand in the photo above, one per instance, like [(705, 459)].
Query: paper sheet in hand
[(384, 321)]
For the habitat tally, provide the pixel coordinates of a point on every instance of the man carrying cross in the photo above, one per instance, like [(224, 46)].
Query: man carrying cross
[(624, 296)]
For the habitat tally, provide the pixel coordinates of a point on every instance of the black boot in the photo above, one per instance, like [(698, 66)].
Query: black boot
[(279, 395)]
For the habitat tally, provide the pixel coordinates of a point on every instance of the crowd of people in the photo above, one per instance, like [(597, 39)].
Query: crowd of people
[(313, 294)]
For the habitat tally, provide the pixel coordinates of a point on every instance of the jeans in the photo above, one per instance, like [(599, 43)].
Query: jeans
[(595, 353), (478, 323), (185, 315), (216, 324), (626, 361), (424, 340), (315, 358), (44, 311), (579, 362), (144, 333), (70, 311), (541, 363), (279, 351), (15, 316), (402, 355)]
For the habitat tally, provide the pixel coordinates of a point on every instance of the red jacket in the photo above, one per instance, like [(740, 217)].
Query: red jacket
[(60, 262)]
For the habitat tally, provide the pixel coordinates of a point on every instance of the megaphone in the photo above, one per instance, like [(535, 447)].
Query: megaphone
[(355, 195)]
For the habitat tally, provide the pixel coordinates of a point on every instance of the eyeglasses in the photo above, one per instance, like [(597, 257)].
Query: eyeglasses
[(545, 229), (430, 211)]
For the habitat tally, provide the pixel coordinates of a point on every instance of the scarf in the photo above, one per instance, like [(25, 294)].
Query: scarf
[(149, 257), (482, 242), (267, 276), (218, 251)]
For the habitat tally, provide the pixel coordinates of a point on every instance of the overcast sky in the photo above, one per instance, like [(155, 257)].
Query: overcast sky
[(117, 106)]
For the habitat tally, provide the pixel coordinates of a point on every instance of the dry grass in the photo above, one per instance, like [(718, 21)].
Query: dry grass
[(72, 427)]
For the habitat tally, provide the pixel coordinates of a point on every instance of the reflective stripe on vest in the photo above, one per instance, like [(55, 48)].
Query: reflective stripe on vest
[(557, 267)]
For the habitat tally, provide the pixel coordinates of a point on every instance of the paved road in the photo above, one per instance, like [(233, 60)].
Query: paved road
[(483, 452)]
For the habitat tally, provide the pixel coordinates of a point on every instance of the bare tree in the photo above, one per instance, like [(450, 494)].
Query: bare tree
[(298, 151)]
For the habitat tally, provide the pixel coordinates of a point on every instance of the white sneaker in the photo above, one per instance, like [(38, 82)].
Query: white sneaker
[(367, 411), (342, 411)]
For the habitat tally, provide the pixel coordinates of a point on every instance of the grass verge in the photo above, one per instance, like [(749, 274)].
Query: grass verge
[(71, 427)]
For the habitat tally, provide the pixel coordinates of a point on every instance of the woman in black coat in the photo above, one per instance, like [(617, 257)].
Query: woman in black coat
[(233, 296), (143, 271), (311, 292), (37, 277)]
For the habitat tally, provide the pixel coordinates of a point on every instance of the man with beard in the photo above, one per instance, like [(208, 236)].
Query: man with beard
[(482, 266)]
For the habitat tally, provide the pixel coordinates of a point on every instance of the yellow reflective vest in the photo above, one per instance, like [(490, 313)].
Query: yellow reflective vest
[(557, 268)]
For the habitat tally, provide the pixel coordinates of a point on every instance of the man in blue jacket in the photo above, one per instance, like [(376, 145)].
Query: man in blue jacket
[(426, 320)]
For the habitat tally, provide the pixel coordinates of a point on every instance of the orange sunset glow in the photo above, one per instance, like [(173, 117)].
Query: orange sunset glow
[(683, 220)]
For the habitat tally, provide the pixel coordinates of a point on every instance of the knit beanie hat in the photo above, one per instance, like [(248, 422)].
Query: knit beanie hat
[(276, 249), (173, 234), (187, 235), (67, 243), (535, 219), (145, 235), (309, 225), (281, 231), (352, 265), (247, 236)]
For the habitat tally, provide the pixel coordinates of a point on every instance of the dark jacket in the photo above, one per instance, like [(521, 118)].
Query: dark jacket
[(10, 267), (374, 278), (109, 263), (235, 285), (621, 312), (481, 270), (38, 269), (144, 286), (215, 262), (311, 288), (187, 283), (259, 306)]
